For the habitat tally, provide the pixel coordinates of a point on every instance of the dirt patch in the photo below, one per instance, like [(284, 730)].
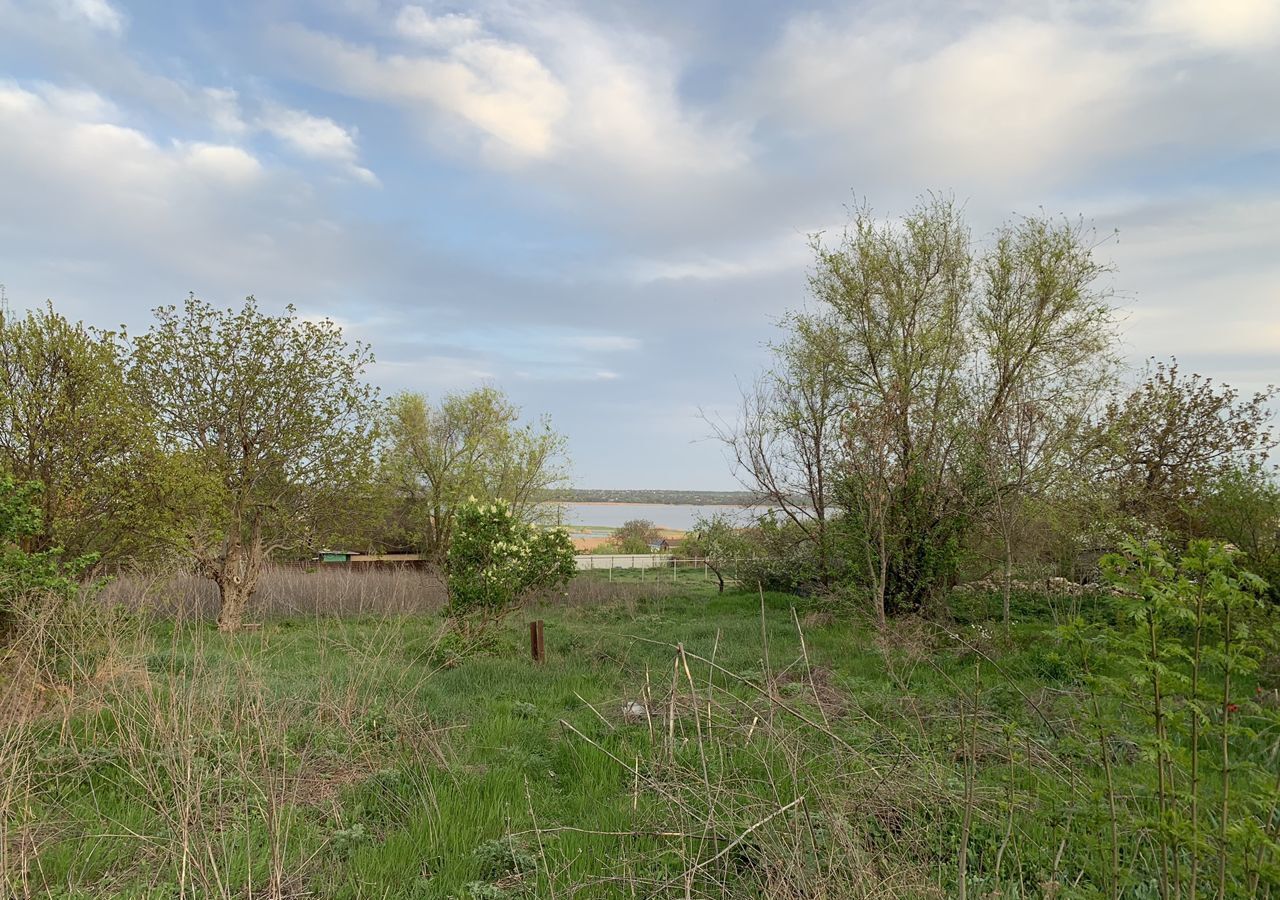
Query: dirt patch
[(123, 672), (816, 685), (320, 780), (911, 638)]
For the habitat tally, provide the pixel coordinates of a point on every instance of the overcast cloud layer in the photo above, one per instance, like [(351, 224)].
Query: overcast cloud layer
[(602, 207)]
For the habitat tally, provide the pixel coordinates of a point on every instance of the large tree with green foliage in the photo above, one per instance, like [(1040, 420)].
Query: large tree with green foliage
[(948, 371), (273, 411), (69, 421), (469, 444), (719, 542), (1242, 506), (635, 536)]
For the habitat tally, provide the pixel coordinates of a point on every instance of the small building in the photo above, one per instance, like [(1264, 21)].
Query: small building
[(335, 556), (356, 560)]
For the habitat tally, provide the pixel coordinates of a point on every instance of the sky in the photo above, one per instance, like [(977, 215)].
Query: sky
[(603, 208)]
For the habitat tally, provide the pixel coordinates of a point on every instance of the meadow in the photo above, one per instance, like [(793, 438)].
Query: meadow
[(675, 743)]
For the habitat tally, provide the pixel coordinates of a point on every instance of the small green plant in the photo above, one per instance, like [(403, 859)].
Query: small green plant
[(1186, 629), (347, 839), (502, 857), (482, 890), (495, 559)]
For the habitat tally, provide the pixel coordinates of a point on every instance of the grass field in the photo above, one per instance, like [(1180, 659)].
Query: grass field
[(693, 745)]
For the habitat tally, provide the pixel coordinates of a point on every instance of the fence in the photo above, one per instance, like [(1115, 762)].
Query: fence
[(657, 566), (588, 562)]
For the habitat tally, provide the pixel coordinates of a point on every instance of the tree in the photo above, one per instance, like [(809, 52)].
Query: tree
[(495, 558), (1045, 337), (69, 422), (943, 373), (1242, 506), (635, 536), (785, 444), (273, 409), (1158, 446), (717, 541), (435, 457)]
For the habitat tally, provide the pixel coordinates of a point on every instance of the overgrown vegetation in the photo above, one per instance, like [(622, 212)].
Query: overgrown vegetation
[(1005, 627), (701, 745), (949, 410)]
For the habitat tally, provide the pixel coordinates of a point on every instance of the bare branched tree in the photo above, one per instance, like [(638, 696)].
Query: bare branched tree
[(784, 447)]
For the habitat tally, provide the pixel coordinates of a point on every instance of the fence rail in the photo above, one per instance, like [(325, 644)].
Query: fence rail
[(657, 565)]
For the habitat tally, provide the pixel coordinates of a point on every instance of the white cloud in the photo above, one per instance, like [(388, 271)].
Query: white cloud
[(628, 116), (98, 14), (316, 137), (221, 161), (76, 186), (59, 134), (1224, 24), (432, 373), (788, 251), (417, 24), (540, 86), (1209, 277), (224, 110), (78, 103), (1026, 97), (500, 90)]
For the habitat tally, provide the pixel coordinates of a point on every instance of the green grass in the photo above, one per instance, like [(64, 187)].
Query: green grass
[(354, 757)]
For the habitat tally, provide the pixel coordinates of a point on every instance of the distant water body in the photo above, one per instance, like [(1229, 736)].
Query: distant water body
[(677, 516)]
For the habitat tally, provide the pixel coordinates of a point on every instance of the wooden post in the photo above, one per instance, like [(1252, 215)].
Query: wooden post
[(537, 647)]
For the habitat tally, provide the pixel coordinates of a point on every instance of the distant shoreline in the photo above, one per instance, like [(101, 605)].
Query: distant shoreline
[(647, 496), (644, 503)]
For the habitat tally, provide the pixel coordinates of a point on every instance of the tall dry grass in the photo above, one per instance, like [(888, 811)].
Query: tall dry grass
[(290, 592), (283, 592), (208, 753)]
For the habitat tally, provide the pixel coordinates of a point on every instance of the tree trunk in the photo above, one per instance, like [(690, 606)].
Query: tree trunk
[(719, 577), (881, 612), (1008, 588), (237, 579), (233, 598)]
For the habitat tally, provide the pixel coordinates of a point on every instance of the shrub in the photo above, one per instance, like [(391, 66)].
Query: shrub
[(24, 575), (495, 559), (1185, 635)]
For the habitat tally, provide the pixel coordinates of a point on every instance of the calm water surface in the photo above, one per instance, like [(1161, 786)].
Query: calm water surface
[(677, 516)]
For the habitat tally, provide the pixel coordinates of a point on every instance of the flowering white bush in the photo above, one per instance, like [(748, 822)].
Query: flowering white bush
[(494, 559)]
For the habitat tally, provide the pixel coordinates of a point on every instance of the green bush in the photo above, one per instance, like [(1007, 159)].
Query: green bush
[(495, 559), (23, 574)]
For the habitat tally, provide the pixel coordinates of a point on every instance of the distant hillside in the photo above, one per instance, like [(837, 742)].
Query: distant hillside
[(623, 495)]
